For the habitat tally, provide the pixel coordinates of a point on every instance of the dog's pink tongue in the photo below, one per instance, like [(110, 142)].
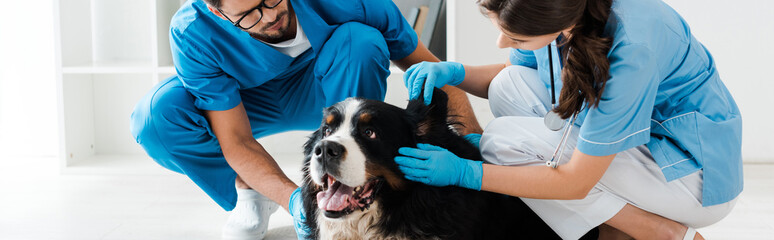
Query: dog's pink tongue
[(324, 197), (336, 198)]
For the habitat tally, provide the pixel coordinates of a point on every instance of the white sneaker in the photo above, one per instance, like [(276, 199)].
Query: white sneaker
[(250, 217)]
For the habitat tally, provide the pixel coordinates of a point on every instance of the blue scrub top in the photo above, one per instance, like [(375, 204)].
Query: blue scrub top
[(215, 59), (664, 91)]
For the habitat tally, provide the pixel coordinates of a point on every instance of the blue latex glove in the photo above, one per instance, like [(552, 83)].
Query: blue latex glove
[(296, 209), (431, 75), (436, 166), (473, 138)]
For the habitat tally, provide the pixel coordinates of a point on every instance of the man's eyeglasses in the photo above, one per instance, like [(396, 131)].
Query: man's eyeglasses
[(251, 17)]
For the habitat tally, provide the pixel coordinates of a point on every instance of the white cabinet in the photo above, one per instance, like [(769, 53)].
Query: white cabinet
[(109, 54)]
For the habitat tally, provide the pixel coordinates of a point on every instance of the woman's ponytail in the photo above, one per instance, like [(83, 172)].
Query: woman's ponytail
[(586, 67)]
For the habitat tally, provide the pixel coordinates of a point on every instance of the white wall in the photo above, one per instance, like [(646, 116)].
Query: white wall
[(472, 35), (28, 113), (737, 33)]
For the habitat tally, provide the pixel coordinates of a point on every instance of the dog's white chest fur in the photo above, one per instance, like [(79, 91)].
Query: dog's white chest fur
[(357, 225)]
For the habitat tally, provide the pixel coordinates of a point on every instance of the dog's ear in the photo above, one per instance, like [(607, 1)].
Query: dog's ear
[(428, 116)]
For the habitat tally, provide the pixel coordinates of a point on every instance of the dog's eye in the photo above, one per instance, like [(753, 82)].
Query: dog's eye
[(326, 131), (369, 133)]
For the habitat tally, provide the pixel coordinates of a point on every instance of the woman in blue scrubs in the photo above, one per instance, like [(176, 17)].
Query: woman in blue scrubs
[(657, 136)]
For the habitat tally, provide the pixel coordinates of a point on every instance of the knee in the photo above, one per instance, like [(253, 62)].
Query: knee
[(667, 229), (517, 91), (366, 43), (491, 141), (155, 112), (506, 142), (504, 83)]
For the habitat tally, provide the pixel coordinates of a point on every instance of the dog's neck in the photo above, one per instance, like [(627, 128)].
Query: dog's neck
[(363, 225), (357, 225)]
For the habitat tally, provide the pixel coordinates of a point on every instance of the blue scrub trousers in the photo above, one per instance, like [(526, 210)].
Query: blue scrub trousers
[(354, 61)]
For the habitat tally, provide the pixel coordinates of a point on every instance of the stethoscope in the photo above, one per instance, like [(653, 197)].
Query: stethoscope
[(552, 119)]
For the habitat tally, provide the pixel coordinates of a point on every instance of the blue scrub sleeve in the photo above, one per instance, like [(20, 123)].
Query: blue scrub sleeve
[(523, 58), (622, 119), (199, 72), (386, 17)]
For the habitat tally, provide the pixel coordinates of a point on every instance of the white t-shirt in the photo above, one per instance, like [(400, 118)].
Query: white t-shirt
[(293, 47)]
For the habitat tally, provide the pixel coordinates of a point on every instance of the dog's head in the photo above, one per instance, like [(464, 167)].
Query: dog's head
[(350, 158)]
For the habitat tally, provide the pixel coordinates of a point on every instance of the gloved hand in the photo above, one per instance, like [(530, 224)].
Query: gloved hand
[(473, 138), (296, 209), (432, 75), (436, 166)]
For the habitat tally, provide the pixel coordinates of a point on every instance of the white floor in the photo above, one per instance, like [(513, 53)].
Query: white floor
[(37, 202)]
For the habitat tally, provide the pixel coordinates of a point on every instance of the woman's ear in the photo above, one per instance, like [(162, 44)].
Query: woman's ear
[(567, 32)]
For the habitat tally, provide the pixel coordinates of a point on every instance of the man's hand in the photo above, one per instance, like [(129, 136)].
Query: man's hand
[(473, 138), (296, 210)]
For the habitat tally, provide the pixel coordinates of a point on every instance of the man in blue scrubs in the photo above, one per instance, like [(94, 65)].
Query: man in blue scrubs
[(251, 68)]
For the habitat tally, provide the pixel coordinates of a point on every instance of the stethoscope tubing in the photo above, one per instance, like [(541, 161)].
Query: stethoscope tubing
[(554, 162), (551, 68)]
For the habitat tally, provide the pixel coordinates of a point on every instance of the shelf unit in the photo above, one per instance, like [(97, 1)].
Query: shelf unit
[(434, 22), (109, 54)]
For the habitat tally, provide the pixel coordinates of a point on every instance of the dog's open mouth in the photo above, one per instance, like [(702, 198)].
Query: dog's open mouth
[(338, 199)]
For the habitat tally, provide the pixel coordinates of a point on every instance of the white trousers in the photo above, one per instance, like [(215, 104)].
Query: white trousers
[(518, 136)]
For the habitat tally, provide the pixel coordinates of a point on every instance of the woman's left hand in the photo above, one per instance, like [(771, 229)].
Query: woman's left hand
[(436, 166), (429, 75)]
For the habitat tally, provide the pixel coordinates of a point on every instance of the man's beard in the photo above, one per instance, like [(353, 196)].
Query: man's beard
[(281, 34)]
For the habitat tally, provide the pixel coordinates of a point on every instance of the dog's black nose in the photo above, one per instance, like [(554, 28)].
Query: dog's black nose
[(327, 150)]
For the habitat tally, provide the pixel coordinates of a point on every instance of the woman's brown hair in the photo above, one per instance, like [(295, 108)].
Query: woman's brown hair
[(586, 67)]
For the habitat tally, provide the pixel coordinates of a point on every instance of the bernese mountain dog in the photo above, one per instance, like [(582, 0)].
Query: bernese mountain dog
[(353, 189)]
